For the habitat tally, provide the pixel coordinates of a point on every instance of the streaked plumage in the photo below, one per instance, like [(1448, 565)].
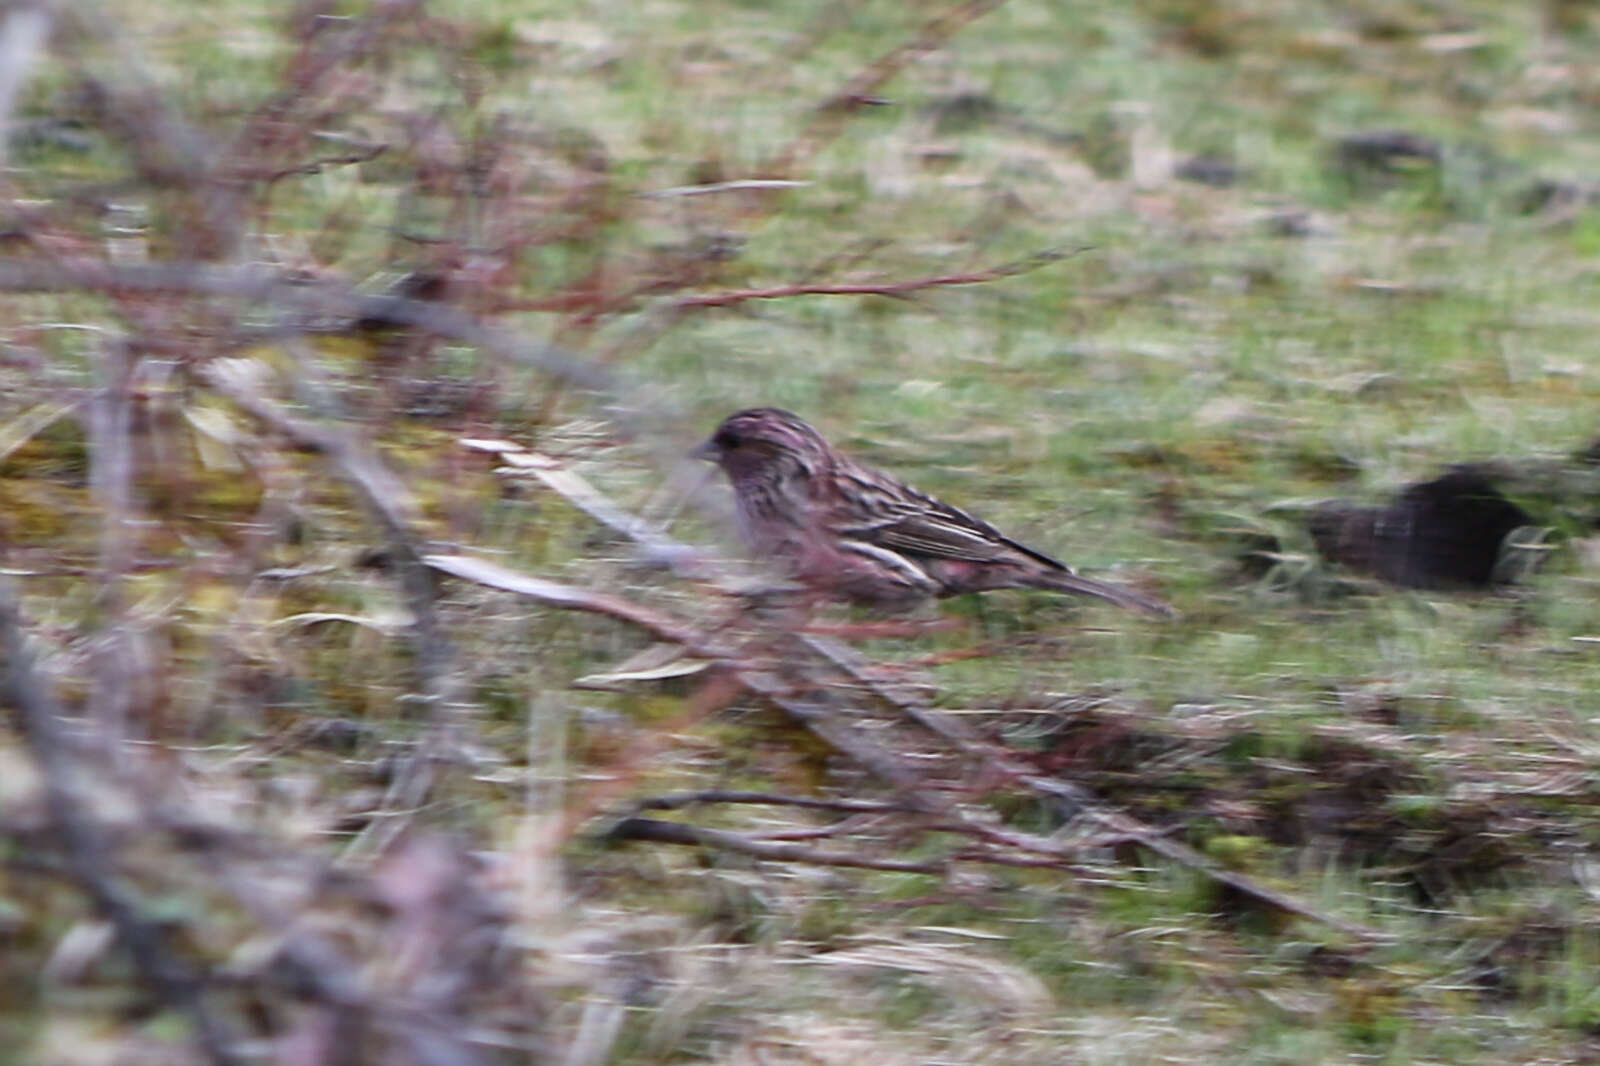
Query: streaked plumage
[(857, 533)]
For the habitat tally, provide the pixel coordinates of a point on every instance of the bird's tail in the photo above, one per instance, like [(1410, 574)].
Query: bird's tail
[(1068, 582)]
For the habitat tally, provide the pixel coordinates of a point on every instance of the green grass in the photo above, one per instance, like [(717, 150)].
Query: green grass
[(1208, 360)]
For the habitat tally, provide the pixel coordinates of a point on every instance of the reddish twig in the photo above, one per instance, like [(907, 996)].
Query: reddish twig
[(895, 289), (758, 196), (861, 91), (318, 165)]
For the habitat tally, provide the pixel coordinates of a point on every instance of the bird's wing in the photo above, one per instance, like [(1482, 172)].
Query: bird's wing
[(898, 517)]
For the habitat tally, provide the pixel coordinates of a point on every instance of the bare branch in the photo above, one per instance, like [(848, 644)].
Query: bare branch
[(808, 704), (321, 163), (83, 843), (678, 800), (111, 479), (896, 289), (272, 288), (571, 597), (861, 91), (394, 509), (24, 28), (694, 836)]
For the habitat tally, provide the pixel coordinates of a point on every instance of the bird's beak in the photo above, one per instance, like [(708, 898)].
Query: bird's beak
[(707, 451)]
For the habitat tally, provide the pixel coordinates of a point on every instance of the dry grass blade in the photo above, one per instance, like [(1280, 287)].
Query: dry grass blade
[(1010, 988), (25, 426)]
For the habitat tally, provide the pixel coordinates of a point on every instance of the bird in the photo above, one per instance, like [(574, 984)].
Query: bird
[(855, 533), (1448, 532)]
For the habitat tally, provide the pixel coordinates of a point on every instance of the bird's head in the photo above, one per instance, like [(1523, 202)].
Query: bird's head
[(766, 442)]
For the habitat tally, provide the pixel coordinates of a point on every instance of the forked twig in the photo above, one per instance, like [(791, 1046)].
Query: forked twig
[(271, 288), (809, 704)]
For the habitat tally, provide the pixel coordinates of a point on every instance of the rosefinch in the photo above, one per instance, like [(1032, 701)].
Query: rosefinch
[(857, 533)]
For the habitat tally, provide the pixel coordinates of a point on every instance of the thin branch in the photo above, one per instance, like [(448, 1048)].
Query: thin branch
[(84, 845), (394, 509), (321, 163), (758, 197), (897, 289), (998, 760), (326, 297), (660, 832), (656, 547), (861, 91), (114, 657), (571, 597), (678, 800)]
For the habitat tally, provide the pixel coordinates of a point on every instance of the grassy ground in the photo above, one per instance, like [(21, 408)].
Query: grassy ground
[(1207, 360)]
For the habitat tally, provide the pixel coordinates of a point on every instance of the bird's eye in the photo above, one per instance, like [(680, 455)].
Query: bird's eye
[(727, 440)]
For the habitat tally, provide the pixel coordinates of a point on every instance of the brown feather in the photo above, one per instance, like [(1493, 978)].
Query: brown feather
[(860, 534)]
